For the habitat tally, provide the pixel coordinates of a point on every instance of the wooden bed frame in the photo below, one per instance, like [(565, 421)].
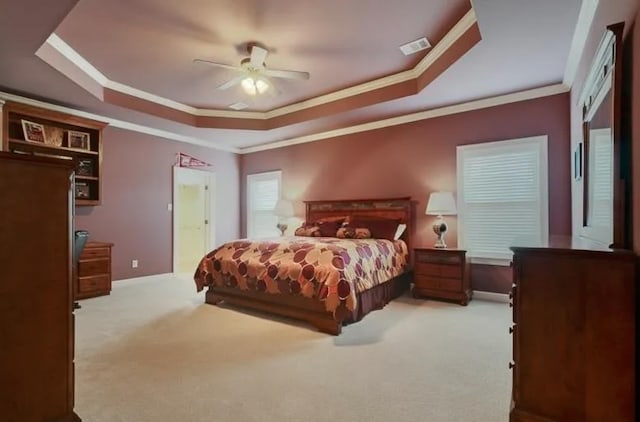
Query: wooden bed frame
[(313, 310)]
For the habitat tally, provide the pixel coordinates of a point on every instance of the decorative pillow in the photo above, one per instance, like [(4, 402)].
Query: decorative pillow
[(350, 232), (381, 228), (329, 228), (311, 230)]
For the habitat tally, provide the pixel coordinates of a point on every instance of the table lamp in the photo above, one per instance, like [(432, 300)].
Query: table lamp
[(283, 210), (441, 203)]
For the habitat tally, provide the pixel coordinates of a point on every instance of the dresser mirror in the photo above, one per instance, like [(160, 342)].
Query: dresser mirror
[(603, 190)]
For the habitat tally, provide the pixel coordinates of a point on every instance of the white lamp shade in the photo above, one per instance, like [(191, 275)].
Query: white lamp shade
[(441, 203), (283, 208)]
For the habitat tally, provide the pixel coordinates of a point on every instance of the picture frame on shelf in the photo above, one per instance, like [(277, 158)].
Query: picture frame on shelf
[(82, 190), (33, 132), (85, 167), (53, 136), (79, 140)]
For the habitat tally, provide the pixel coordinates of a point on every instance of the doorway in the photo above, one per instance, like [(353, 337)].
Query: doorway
[(193, 217)]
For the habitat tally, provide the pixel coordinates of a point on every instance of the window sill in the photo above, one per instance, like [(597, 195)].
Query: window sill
[(499, 262)]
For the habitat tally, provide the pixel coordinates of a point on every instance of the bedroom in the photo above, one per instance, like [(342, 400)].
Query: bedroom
[(410, 159)]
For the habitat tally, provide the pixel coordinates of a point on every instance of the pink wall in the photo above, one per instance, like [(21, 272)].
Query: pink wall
[(417, 158), (136, 188)]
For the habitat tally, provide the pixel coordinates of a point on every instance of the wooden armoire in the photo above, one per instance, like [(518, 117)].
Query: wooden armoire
[(36, 297)]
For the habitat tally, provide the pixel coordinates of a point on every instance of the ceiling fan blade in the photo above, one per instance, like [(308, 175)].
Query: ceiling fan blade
[(288, 74), (258, 56), (232, 82), (273, 90), (222, 65)]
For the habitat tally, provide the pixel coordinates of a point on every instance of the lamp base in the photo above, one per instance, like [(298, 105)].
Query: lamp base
[(440, 228), (282, 228)]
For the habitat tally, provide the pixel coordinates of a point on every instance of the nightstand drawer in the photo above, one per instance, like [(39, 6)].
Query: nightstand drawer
[(94, 267), (92, 284), (437, 259), (90, 253), (435, 283), (449, 271)]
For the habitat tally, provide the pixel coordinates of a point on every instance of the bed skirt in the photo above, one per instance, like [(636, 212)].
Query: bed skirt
[(313, 310)]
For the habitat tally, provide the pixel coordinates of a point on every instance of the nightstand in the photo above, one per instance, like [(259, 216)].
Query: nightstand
[(442, 274)]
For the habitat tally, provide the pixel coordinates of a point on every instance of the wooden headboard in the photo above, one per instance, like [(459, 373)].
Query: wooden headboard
[(400, 208)]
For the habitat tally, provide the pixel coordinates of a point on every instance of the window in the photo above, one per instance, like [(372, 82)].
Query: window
[(502, 196), (263, 191), (600, 189)]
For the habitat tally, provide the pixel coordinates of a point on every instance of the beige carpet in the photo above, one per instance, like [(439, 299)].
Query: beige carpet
[(153, 351)]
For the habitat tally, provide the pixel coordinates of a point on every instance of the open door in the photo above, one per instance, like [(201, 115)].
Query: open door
[(193, 217)]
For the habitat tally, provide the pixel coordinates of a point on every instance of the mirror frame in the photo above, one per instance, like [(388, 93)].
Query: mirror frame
[(608, 59)]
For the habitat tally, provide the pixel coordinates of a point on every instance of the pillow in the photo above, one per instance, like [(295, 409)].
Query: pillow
[(353, 233), (341, 219), (310, 230), (380, 227), (399, 231), (319, 229), (329, 228)]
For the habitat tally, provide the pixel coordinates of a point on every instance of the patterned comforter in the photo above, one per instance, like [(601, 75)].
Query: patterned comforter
[(329, 269)]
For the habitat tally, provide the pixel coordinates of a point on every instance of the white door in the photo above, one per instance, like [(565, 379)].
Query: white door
[(193, 222)]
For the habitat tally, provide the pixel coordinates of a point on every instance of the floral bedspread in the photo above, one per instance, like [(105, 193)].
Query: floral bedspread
[(330, 269)]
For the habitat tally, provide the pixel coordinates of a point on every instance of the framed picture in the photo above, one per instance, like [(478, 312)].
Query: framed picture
[(33, 132), (85, 167), (53, 136), (82, 190), (577, 162), (79, 140)]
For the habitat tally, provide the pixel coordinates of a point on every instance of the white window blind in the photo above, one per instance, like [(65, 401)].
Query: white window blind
[(502, 196), (263, 191), (600, 209)]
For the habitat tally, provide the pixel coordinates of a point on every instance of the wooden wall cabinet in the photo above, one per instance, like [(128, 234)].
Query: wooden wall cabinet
[(65, 137), (574, 333), (36, 295)]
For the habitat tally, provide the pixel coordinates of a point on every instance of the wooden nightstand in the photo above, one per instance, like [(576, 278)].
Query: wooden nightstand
[(442, 273), (94, 270)]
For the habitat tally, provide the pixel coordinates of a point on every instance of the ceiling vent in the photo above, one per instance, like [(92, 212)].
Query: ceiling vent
[(238, 106), (415, 46)]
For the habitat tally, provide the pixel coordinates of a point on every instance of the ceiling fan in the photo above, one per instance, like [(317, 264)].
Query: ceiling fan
[(255, 75)]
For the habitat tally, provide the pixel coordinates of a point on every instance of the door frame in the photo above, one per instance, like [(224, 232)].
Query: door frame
[(210, 209)]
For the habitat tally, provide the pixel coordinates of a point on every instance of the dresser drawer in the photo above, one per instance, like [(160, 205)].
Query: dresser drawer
[(437, 259), (90, 253), (93, 284), (92, 267), (436, 283), (438, 270)]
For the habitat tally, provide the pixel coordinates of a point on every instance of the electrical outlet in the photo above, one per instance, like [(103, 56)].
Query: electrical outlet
[(134, 263)]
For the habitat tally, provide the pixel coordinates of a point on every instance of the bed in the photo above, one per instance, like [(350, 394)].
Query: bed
[(325, 281)]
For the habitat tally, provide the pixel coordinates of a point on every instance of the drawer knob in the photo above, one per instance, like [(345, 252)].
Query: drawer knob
[(511, 304), (510, 330), (512, 365)]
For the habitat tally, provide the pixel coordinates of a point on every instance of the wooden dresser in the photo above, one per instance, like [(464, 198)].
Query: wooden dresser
[(573, 333), (442, 273), (36, 294), (94, 270)]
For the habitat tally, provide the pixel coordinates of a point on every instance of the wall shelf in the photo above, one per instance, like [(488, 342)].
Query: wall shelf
[(65, 137)]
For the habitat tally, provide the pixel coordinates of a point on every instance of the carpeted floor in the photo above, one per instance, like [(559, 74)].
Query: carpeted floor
[(153, 351)]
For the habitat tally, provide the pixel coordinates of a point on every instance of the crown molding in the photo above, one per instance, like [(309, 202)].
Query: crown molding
[(456, 33), (583, 26), (413, 117), (121, 124), (379, 124)]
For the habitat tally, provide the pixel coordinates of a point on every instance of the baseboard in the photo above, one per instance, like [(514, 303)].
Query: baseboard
[(128, 281), (490, 296)]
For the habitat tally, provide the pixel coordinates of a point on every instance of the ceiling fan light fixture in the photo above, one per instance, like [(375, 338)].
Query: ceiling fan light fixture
[(254, 86)]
